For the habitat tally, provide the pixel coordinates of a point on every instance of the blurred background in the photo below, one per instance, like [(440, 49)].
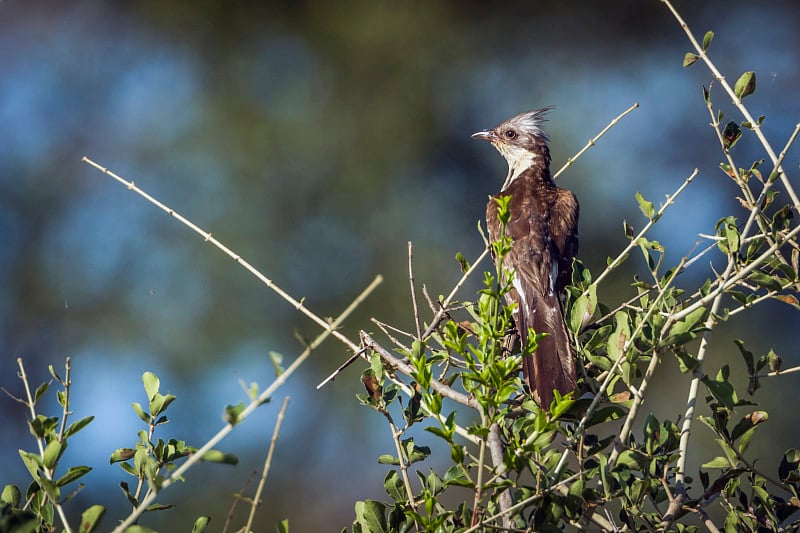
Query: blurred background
[(316, 140)]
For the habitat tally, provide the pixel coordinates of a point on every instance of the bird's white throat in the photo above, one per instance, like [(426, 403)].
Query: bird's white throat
[(519, 160)]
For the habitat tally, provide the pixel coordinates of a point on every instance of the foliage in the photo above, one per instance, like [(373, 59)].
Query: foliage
[(591, 459), (515, 465)]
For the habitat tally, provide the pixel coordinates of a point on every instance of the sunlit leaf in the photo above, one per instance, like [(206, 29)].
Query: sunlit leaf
[(745, 85), (707, 38)]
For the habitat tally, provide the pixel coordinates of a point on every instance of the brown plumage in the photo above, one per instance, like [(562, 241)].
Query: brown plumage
[(543, 228)]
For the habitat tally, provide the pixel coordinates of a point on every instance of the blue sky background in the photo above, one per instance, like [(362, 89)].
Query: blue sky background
[(316, 142)]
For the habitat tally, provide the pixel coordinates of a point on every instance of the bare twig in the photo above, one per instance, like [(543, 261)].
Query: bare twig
[(413, 290), (208, 237), (441, 312), (66, 384), (781, 372), (350, 361), (496, 450), (701, 53), (650, 223), (178, 473), (727, 281), (594, 139), (236, 497), (385, 329), (402, 459), (404, 368), (267, 463), (479, 485)]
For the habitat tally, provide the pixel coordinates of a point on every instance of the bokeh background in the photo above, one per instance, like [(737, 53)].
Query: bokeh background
[(317, 139)]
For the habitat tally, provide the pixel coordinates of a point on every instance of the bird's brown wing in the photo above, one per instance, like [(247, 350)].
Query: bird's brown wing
[(564, 235), (532, 257)]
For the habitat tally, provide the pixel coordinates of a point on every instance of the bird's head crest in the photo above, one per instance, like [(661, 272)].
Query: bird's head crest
[(523, 129), (521, 141)]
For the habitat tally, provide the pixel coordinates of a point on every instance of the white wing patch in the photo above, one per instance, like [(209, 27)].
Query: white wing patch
[(553, 278), (518, 286)]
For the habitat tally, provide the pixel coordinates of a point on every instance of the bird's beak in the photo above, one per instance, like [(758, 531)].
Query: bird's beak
[(486, 135)]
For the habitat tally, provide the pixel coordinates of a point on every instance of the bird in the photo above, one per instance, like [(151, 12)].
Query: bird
[(543, 228)]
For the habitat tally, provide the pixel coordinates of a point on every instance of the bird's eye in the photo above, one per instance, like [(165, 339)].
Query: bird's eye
[(511, 134)]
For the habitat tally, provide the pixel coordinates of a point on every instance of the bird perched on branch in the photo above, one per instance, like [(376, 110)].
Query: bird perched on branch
[(543, 228)]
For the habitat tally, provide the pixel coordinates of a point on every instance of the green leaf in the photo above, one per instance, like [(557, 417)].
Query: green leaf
[(40, 391), (50, 489), (11, 495), (730, 454), (747, 355), (75, 472), (717, 462), (393, 485), (53, 452), (745, 85), (686, 362), (140, 529), (731, 135), (647, 207), (771, 283), (583, 307), (621, 334), (32, 462), (283, 526), (276, 360), (371, 516), (722, 390), (137, 407), (707, 38), (462, 261), (689, 59), (216, 456), (201, 524), (122, 454), (79, 425), (160, 403), (388, 459), (90, 518), (685, 330), (151, 384), (232, 413), (415, 453)]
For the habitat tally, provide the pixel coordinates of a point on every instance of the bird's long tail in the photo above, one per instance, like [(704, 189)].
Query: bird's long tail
[(552, 365)]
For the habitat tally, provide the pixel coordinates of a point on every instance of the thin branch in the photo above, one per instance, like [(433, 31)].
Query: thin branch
[(404, 368), (267, 463), (236, 498), (496, 451), (208, 237), (178, 473), (402, 459), (47, 472), (385, 329), (781, 372), (727, 281), (691, 402), (66, 384), (441, 312), (650, 223), (350, 361), (413, 291), (522, 503), (611, 371), (738, 103), (479, 484), (595, 139)]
